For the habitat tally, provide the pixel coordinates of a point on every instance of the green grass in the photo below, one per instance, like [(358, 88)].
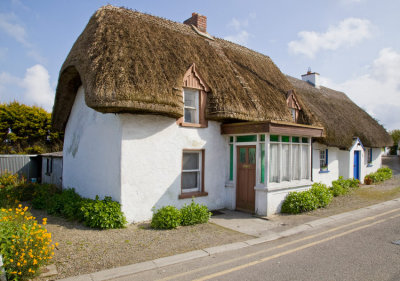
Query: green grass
[(381, 195)]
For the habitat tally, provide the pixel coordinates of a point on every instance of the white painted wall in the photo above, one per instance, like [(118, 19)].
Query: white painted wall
[(55, 177), (375, 164), (333, 164), (344, 163), (151, 164), (92, 151)]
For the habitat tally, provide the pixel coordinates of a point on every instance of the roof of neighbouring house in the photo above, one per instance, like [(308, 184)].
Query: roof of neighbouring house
[(342, 119), (129, 61), (53, 154)]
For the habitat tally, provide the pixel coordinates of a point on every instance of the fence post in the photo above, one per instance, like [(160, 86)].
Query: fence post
[(2, 272)]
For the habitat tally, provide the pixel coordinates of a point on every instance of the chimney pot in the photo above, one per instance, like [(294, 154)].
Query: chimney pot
[(199, 21)]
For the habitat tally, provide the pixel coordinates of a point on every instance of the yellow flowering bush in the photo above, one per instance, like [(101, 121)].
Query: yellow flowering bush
[(8, 187), (24, 244)]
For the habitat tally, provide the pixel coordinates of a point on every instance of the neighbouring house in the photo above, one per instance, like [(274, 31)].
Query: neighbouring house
[(353, 141), (52, 167), (157, 112)]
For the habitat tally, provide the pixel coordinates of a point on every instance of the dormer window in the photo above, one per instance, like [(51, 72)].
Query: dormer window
[(294, 114), (293, 105), (191, 105), (194, 96)]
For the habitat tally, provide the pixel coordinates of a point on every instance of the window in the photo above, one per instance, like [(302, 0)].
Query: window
[(288, 158), (323, 159), (192, 173), (191, 106), (369, 155), (293, 111), (49, 166)]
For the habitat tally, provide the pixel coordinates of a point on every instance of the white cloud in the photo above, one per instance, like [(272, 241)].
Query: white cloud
[(241, 35), (378, 91), (8, 25), (348, 32), (33, 89), (240, 38)]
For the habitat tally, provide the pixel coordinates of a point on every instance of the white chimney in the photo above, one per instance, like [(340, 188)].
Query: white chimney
[(312, 78)]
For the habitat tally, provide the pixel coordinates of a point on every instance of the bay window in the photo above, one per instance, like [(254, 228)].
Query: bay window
[(289, 158)]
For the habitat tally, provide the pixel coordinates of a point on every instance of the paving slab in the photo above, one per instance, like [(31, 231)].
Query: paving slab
[(226, 247), (180, 258), (123, 271)]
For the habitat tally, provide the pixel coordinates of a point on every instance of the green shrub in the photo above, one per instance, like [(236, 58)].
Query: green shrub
[(337, 189), (66, 204), (8, 185), (298, 202), (380, 175), (194, 214), (104, 214), (167, 217), (322, 193), (43, 194), (24, 244)]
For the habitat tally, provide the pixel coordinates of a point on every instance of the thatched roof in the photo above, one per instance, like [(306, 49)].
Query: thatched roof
[(128, 61), (342, 119)]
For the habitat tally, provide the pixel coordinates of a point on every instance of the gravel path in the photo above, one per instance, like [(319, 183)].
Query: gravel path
[(84, 250)]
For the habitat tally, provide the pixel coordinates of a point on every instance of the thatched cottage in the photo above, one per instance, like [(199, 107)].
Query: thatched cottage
[(157, 112)]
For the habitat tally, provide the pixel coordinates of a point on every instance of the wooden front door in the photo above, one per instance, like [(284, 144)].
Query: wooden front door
[(246, 178)]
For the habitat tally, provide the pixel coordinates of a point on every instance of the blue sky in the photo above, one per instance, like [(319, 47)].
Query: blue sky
[(353, 44)]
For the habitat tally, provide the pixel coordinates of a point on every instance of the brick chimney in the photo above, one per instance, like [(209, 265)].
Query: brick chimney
[(312, 78), (199, 21)]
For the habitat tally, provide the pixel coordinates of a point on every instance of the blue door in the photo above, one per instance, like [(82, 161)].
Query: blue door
[(356, 172)]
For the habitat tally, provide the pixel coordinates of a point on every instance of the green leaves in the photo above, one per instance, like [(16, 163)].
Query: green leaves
[(380, 175), (194, 214), (167, 217), (27, 129)]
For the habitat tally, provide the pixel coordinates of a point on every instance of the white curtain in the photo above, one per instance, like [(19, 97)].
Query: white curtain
[(285, 162), (305, 162), (296, 162), (274, 163)]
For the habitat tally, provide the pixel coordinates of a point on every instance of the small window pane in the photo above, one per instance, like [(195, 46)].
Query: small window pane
[(295, 139), (231, 162), (262, 162), (285, 162), (274, 138), (190, 180), (262, 138), (242, 155), (285, 139), (305, 161), (190, 98), (246, 138), (252, 155), (190, 115), (274, 163), (296, 162), (304, 140), (230, 139), (190, 161)]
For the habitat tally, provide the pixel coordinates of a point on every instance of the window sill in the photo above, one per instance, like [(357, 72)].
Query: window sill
[(370, 165), (192, 194), (324, 171), (193, 125)]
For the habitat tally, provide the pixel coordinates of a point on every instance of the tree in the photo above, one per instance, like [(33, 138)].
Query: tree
[(27, 129), (395, 134)]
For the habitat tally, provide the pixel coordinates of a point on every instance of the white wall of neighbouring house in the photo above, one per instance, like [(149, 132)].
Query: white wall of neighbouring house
[(151, 164), (92, 151), (333, 164), (344, 163), (375, 164)]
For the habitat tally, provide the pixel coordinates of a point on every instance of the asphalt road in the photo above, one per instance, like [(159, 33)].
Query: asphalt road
[(354, 249)]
